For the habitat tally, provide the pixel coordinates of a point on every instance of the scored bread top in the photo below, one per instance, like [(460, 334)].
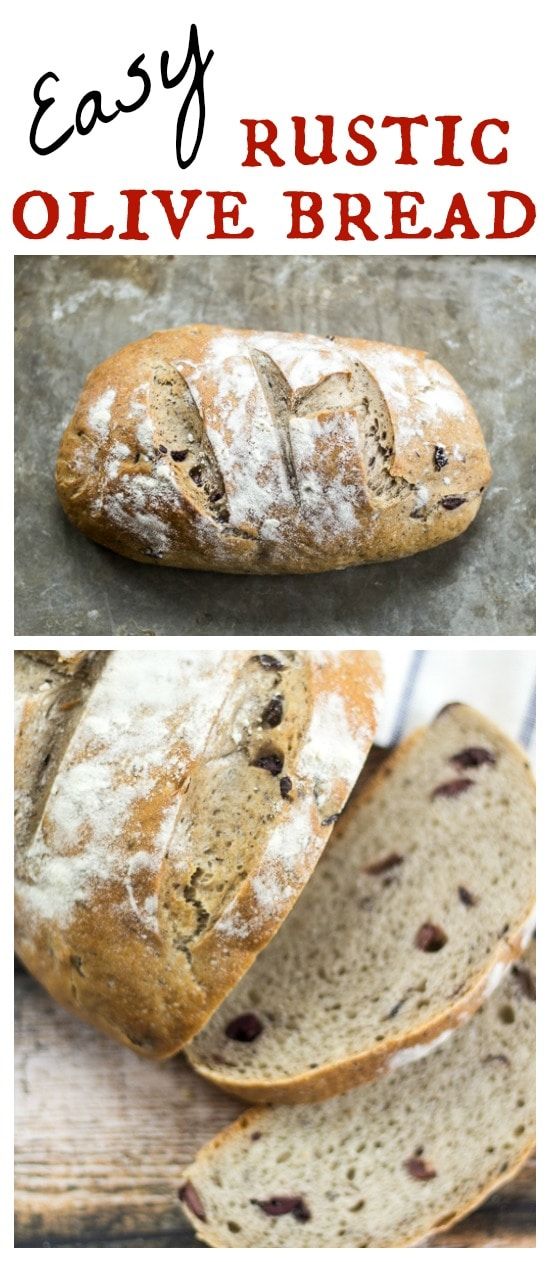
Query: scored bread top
[(424, 896), (221, 449), (390, 1163), (48, 703), (193, 798)]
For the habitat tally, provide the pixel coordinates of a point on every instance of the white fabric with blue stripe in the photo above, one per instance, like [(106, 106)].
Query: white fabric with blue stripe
[(501, 684)]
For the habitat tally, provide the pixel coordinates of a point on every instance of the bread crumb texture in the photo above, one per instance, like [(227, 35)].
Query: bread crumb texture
[(390, 1163), (419, 905)]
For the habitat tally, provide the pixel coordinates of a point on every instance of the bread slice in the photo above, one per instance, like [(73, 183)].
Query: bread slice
[(423, 898), (187, 802), (391, 1162)]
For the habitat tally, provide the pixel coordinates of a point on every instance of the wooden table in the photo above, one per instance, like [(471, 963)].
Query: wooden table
[(102, 1138)]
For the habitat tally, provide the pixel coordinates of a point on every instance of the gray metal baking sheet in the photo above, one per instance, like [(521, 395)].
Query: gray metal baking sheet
[(474, 313)]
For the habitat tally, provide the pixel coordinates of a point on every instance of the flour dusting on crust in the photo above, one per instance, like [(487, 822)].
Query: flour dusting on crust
[(332, 749), (99, 415), (241, 429), (139, 501), (135, 731), (332, 755), (421, 395), (303, 365)]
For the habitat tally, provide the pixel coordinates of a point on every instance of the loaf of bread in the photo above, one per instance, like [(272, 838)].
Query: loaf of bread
[(422, 899), (388, 1164), (266, 453), (171, 806)]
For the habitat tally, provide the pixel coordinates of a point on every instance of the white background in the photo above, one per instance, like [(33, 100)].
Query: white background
[(475, 60), (481, 59)]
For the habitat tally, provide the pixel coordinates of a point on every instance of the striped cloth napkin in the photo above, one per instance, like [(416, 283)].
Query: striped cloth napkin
[(501, 684)]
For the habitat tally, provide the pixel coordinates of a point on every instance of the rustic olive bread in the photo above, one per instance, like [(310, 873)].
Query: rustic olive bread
[(422, 899), (388, 1164), (264, 453), (171, 807)]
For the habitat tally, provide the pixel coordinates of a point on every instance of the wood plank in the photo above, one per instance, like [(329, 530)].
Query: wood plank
[(102, 1138)]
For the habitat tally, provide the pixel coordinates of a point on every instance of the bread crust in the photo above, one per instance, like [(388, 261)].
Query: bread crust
[(375, 1062), (120, 957), (248, 452)]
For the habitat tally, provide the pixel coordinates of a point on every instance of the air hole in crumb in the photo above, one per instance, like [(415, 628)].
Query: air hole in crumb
[(506, 1014)]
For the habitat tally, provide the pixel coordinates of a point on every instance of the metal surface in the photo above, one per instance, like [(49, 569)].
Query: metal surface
[(474, 313)]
